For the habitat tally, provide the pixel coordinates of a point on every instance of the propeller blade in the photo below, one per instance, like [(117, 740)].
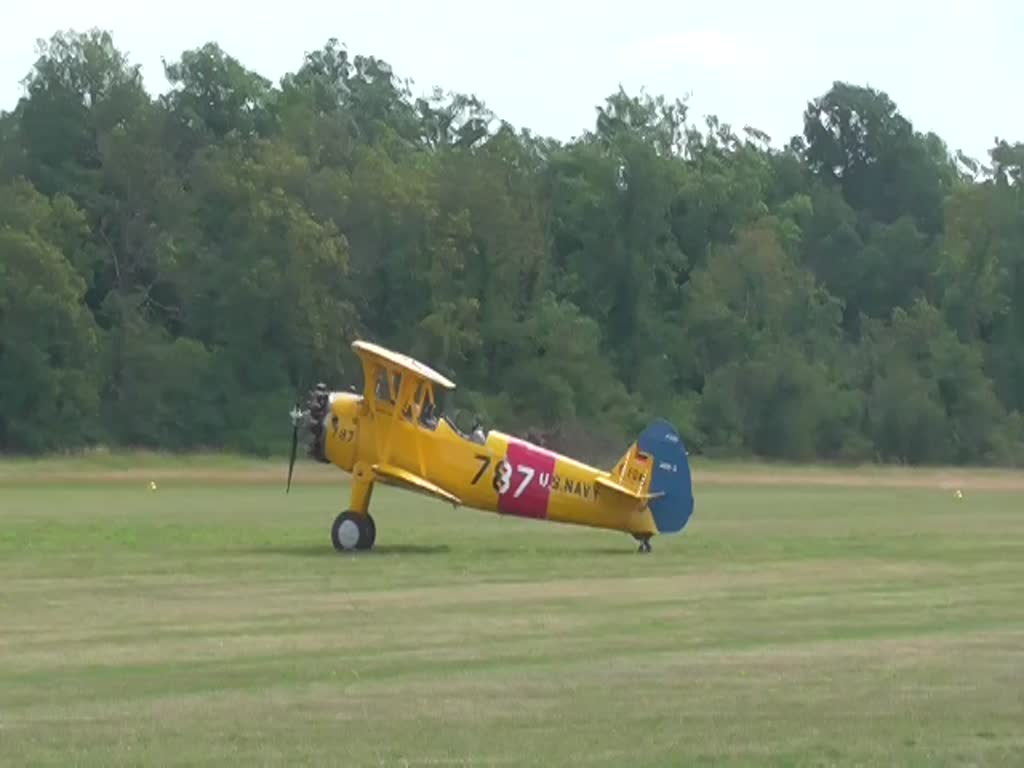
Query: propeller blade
[(296, 415), (291, 462)]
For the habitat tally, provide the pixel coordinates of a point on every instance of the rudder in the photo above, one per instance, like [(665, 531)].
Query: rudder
[(670, 476)]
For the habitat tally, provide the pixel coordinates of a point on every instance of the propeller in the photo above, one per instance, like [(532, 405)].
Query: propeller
[(296, 414), (317, 404)]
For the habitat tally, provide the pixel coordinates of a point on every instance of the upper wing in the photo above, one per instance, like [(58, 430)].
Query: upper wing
[(417, 370)]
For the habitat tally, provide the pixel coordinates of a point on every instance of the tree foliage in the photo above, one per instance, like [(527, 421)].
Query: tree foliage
[(175, 270)]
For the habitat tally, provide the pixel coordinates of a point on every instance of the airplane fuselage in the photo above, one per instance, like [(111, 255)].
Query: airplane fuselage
[(497, 473)]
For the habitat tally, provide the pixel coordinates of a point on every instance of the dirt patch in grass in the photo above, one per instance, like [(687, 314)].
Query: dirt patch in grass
[(258, 475), (319, 475), (938, 479)]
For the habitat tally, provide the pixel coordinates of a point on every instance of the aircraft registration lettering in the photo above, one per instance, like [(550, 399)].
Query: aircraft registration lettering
[(522, 481), (568, 486)]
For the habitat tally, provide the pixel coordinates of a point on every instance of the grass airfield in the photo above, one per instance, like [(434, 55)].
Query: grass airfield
[(805, 618)]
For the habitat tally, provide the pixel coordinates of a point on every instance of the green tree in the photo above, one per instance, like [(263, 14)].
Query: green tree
[(176, 269), (857, 139), (48, 341), (929, 400)]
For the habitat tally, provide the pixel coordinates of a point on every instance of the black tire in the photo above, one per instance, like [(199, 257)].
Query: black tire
[(368, 532), (347, 531), (352, 531)]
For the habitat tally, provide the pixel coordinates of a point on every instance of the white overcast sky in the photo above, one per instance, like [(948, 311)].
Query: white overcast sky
[(952, 66)]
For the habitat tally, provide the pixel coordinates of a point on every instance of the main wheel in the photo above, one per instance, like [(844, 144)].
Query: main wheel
[(369, 532), (352, 530)]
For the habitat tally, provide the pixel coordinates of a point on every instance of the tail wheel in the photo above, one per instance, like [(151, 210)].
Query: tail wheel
[(645, 542), (352, 531)]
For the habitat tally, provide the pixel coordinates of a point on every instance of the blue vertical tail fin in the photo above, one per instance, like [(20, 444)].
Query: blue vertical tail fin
[(659, 453)]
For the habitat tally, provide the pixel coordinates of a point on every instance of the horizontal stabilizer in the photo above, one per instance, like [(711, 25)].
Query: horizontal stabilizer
[(637, 495), (387, 473)]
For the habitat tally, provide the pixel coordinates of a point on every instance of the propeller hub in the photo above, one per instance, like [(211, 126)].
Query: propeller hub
[(296, 414)]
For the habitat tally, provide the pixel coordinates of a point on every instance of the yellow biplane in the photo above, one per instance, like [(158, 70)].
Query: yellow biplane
[(395, 433)]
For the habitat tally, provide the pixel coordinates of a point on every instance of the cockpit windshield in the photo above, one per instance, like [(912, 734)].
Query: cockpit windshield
[(433, 412), (430, 413), (388, 384)]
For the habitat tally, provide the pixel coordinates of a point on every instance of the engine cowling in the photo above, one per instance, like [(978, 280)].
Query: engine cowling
[(333, 426)]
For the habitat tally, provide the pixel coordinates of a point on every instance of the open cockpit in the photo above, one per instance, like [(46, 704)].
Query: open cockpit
[(418, 402)]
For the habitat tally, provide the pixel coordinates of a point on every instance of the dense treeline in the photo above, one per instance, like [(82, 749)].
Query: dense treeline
[(174, 270)]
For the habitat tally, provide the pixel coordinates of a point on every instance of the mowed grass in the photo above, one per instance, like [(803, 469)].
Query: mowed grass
[(790, 625)]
